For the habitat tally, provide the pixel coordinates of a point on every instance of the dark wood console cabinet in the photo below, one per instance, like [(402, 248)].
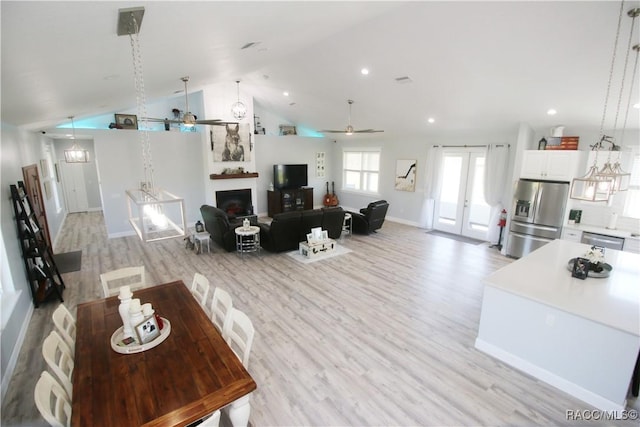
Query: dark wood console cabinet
[(298, 199)]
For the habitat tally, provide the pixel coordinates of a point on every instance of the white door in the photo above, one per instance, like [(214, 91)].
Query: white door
[(461, 208), (75, 191)]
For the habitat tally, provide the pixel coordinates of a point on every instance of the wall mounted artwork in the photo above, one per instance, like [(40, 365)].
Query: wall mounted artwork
[(231, 143), (320, 163), (406, 175)]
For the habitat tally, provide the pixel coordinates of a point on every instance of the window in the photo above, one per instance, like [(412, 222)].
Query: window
[(632, 201), (361, 169)]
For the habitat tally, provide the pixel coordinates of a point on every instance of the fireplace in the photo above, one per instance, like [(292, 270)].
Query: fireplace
[(235, 202)]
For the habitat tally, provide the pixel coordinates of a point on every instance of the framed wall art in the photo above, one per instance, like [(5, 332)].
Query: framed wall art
[(231, 143), (127, 121), (320, 163), (406, 175)]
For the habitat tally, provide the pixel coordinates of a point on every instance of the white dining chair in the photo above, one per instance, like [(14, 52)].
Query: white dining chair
[(113, 280), (200, 289), (212, 420), (239, 333), (221, 305), (52, 401), (57, 354), (66, 325)]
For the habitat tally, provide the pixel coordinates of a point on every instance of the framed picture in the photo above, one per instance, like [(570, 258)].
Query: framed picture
[(127, 121), (147, 330), (288, 130), (406, 175), (580, 268), (320, 163), (231, 142)]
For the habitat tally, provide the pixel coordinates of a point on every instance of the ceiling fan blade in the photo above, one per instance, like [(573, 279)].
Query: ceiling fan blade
[(151, 119), (331, 131), (367, 131), (208, 122)]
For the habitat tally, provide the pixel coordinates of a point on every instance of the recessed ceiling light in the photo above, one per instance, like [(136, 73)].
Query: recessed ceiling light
[(285, 93), (365, 71), (636, 105), (551, 112), (111, 77), (431, 120)]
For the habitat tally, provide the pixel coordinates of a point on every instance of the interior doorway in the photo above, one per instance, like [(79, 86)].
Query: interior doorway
[(461, 208), (32, 186), (75, 190)]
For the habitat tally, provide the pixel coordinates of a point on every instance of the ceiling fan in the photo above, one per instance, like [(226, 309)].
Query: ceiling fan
[(188, 118), (349, 129)]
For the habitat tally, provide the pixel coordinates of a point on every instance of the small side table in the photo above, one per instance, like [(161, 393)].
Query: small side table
[(247, 240), (199, 239)]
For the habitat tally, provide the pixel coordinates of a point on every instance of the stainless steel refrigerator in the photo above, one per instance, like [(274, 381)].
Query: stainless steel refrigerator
[(537, 216)]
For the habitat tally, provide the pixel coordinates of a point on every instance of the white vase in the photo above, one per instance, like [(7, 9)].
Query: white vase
[(125, 300), (135, 317), (246, 224)]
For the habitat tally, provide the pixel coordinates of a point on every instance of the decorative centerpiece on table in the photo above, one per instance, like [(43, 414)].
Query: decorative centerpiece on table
[(591, 263)]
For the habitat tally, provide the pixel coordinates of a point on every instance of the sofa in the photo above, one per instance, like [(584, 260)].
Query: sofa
[(369, 219), (222, 230), (288, 229)]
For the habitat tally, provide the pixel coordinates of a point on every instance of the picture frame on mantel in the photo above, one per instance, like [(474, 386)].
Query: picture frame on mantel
[(127, 121)]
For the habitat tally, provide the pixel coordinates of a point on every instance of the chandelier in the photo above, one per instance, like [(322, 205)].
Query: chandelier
[(238, 109), (154, 214), (75, 154), (598, 185)]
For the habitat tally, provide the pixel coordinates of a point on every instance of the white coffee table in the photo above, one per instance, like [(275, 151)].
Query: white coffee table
[(247, 240)]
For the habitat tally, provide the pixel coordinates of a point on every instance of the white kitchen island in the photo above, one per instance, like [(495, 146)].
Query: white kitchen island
[(581, 336)]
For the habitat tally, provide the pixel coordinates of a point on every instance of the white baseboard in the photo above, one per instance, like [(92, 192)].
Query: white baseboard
[(549, 377), (11, 366)]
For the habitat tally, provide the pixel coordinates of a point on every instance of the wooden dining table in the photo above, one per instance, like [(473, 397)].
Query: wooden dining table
[(189, 375)]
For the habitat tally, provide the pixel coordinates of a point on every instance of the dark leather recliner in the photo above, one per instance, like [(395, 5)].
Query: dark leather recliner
[(217, 223), (369, 219), (288, 229)]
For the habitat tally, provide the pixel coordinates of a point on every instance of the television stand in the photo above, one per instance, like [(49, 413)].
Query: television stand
[(295, 199)]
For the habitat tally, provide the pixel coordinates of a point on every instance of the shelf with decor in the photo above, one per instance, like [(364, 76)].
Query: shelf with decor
[(233, 175)]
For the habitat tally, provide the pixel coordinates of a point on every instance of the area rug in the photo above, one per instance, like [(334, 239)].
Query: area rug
[(339, 250), (456, 237), (68, 261)]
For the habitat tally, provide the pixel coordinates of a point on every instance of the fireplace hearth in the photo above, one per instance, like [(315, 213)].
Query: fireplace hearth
[(235, 202)]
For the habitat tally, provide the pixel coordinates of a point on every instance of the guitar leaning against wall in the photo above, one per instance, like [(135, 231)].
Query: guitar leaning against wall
[(333, 199), (327, 197)]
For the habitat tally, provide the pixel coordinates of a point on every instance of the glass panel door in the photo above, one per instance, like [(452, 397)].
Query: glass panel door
[(461, 208)]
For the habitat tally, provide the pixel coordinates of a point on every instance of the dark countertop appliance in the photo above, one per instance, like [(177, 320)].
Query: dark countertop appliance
[(537, 216)]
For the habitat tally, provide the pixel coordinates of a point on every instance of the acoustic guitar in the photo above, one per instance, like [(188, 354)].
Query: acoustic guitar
[(334, 199), (327, 197)]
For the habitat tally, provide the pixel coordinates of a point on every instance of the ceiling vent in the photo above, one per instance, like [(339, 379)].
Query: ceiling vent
[(403, 80)]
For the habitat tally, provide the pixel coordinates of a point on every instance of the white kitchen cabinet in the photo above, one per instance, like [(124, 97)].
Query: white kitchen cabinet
[(571, 234), (552, 165)]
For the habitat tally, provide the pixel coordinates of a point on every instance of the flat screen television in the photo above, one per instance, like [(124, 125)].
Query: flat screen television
[(289, 176)]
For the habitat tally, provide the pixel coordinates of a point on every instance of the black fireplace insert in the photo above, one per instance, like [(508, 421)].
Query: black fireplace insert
[(235, 202)]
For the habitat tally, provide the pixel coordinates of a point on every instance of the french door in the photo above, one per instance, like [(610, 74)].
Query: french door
[(461, 208)]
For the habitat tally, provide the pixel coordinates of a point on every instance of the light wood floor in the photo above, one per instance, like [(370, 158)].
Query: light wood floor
[(383, 335)]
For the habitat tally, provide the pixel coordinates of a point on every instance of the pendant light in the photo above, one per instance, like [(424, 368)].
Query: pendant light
[(154, 214), (620, 178), (238, 109), (598, 185), (75, 154)]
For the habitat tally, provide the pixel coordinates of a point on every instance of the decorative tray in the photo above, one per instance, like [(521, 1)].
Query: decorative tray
[(606, 270), (116, 338)]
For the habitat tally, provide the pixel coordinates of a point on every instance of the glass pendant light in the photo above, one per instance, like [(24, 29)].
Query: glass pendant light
[(599, 185), (75, 154), (154, 213), (238, 109)]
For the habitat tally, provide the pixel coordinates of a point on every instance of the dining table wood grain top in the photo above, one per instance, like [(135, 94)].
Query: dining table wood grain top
[(188, 376)]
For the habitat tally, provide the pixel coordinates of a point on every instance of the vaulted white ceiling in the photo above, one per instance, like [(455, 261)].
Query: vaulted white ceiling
[(474, 66)]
